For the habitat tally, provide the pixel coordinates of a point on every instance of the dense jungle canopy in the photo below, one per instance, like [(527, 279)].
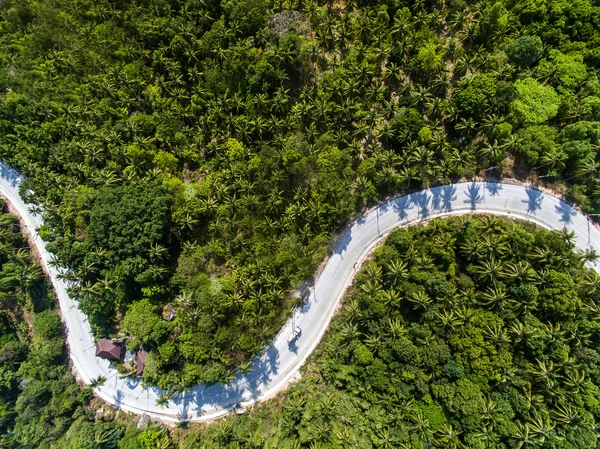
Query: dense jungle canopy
[(202, 153), (472, 332)]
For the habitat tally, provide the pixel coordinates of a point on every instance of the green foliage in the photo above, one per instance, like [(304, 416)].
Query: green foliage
[(534, 102), (143, 320), (524, 50), (475, 99), (47, 325), (38, 395), (203, 156), (569, 70), (537, 142), (472, 366), (127, 220)]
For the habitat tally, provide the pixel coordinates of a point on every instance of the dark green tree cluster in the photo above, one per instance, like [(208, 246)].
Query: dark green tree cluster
[(41, 405), (38, 394), (203, 154), (465, 333)]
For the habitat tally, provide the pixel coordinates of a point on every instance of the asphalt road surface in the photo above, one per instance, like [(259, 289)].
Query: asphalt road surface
[(280, 362)]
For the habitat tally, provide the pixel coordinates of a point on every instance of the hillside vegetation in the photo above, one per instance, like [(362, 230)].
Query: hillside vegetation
[(38, 395), (471, 332), (202, 154)]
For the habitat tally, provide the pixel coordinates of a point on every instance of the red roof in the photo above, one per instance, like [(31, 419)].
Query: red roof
[(140, 361), (107, 349)]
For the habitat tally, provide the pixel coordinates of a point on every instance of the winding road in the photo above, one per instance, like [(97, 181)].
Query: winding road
[(280, 362)]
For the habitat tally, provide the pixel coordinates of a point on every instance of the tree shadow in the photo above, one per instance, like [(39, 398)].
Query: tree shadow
[(473, 195), (448, 196), (565, 211), (118, 396), (436, 198), (132, 383), (293, 346), (307, 301), (383, 208), (343, 242), (10, 174), (493, 188), (421, 199), (402, 205), (534, 199)]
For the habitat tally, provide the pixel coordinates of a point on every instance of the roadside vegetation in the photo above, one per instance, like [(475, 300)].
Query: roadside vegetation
[(472, 332), (202, 155), (38, 395), (41, 405)]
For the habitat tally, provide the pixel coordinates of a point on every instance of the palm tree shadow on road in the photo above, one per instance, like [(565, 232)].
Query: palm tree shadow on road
[(534, 200)]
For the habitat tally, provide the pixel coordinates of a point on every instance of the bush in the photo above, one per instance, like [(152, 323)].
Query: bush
[(47, 325)]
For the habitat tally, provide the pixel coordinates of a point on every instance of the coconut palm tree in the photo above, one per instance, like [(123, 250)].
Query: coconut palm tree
[(494, 297), (496, 335), (396, 328), (542, 429), (97, 382), (489, 270), (520, 271), (164, 397), (448, 319), (564, 414), (471, 248), (420, 299), (391, 298), (447, 437), (575, 380), (525, 438)]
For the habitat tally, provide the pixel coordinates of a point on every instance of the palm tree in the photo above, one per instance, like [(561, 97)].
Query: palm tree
[(542, 429), (590, 255), (33, 273), (97, 382), (396, 328), (372, 287), (553, 331), (533, 399), (471, 248), (588, 170), (519, 271), (494, 297), (448, 319), (447, 437), (103, 436), (420, 299), (553, 160), (422, 425), (564, 414), (464, 314), (591, 282), (349, 331), (567, 236), (496, 335), (544, 371), (544, 255), (466, 127), (575, 380), (525, 438), (372, 271), (489, 270), (164, 397), (373, 342), (390, 297)]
